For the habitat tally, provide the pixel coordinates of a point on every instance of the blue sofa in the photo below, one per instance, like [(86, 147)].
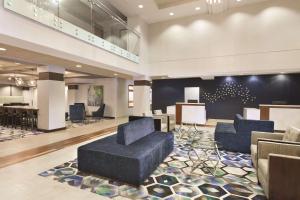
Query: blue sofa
[(129, 156), (237, 136)]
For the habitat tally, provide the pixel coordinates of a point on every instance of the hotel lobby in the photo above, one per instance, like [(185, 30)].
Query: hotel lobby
[(150, 99)]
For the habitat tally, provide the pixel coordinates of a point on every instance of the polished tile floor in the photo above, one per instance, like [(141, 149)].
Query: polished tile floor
[(34, 180), (174, 179), (8, 133), (26, 143)]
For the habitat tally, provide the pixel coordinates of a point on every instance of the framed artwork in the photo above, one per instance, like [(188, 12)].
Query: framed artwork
[(95, 95)]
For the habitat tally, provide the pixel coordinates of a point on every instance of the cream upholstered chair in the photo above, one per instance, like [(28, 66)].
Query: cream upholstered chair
[(287, 136), (261, 135), (278, 164)]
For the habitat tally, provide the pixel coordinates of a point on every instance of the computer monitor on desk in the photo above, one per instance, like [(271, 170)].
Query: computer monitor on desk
[(192, 101)]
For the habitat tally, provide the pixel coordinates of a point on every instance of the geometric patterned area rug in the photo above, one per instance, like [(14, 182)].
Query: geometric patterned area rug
[(173, 180)]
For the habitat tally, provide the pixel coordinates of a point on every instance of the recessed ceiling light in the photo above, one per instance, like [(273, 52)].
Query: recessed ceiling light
[(141, 6), (171, 13), (17, 63), (116, 74), (282, 72), (78, 66), (197, 8), (2, 49)]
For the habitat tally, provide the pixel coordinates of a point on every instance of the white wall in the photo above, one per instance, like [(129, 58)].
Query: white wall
[(30, 96), (7, 90), (142, 101), (110, 95), (122, 98), (260, 38), (115, 95), (71, 98)]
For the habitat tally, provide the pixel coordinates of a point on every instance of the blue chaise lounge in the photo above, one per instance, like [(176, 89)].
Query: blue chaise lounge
[(237, 136), (129, 156)]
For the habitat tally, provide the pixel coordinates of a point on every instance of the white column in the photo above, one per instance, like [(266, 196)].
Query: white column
[(142, 98), (51, 98)]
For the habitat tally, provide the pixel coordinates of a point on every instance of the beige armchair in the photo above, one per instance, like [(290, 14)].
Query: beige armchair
[(261, 135), (278, 169)]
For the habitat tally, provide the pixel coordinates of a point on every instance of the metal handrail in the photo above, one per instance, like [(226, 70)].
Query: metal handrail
[(113, 15)]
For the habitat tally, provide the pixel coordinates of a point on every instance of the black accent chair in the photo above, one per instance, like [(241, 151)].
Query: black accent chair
[(77, 113), (99, 114)]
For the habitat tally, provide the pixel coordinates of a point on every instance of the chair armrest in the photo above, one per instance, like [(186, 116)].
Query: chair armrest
[(267, 135), (284, 177), (255, 125), (266, 147), (163, 118)]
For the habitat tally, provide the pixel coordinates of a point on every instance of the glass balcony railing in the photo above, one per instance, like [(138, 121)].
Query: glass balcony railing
[(92, 16)]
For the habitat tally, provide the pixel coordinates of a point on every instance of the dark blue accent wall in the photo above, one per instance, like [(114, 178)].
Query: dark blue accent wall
[(263, 89)]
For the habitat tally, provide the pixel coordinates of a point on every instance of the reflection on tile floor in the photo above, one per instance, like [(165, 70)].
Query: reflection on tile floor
[(7, 134), (172, 180)]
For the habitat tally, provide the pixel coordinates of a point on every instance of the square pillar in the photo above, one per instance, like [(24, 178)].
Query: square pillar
[(142, 106), (51, 98)]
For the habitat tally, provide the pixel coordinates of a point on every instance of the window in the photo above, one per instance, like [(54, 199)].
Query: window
[(130, 96)]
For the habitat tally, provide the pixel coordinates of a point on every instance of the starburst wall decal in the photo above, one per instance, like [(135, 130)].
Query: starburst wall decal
[(229, 90)]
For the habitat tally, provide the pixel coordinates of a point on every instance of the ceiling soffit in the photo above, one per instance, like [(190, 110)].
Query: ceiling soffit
[(161, 4)]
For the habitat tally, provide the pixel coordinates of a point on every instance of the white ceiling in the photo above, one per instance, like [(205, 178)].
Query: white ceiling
[(10, 68), (158, 10), (34, 59)]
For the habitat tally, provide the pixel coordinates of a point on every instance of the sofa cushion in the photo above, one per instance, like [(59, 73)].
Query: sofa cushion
[(237, 118), (127, 163), (263, 166), (292, 135), (132, 131), (225, 128)]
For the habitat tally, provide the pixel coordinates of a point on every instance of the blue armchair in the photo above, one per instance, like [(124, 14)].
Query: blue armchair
[(99, 113), (77, 113), (237, 136)]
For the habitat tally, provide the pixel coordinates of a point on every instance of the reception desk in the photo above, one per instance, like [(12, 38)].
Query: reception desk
[(190, 113), (282, 115), (251, 113)]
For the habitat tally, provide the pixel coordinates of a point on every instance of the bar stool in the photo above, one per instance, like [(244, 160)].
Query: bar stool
[(21, 118), (11, 117), (2, 115), (31, 116)]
